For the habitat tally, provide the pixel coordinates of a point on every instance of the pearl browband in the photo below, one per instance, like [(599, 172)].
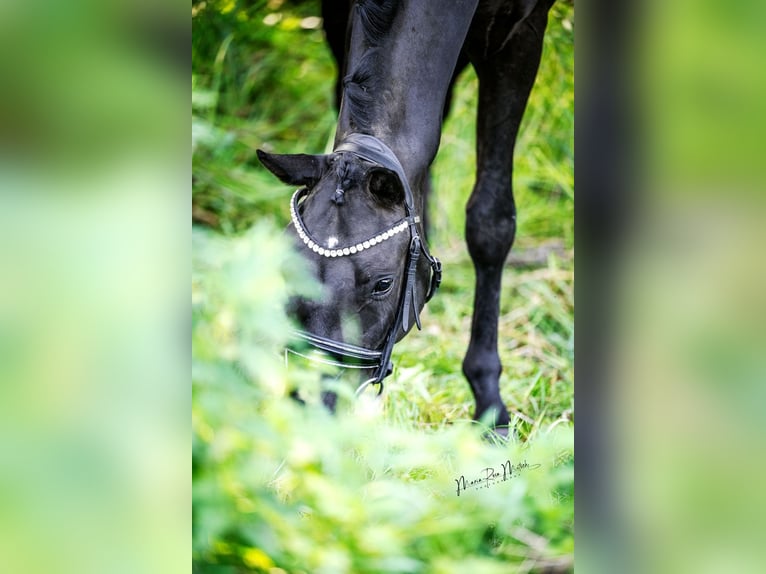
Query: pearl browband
[(312, 243)]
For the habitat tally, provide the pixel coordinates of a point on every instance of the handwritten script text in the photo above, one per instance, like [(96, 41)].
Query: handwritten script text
[(492, 476)]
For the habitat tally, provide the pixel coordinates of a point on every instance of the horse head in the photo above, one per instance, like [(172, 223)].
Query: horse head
[(354, 220)]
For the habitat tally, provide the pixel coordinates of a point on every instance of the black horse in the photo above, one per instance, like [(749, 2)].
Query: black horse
[(357, 216)]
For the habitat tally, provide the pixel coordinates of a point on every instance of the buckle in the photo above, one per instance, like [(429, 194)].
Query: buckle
[(436, 277)]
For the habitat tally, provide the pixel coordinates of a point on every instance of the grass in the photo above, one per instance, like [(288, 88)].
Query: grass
[(282, 488), (536, 345)]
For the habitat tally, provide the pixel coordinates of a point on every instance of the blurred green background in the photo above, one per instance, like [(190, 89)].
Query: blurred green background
[(94, 397), (282, 488)]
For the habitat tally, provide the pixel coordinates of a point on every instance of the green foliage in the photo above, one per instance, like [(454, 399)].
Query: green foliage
[(281, 487), (262, 78)]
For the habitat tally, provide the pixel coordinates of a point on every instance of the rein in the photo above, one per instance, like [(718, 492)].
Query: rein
[(371, 149)]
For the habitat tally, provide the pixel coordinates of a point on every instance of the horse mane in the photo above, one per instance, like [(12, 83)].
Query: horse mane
[(358, 89), (376, 18)]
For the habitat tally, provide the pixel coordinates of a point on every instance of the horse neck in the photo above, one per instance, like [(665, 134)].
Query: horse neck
[(412, 64)]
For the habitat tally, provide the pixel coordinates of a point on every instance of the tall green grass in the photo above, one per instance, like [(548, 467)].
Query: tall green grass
[(536, 345)]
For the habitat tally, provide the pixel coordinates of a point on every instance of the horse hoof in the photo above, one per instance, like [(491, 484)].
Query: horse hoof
[(500, 435)]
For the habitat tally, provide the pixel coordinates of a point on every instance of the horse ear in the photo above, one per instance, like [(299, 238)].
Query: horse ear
[(295, 169), (386, 186)]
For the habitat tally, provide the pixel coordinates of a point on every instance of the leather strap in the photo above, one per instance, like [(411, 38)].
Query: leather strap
[(409, 285), (338, 347)]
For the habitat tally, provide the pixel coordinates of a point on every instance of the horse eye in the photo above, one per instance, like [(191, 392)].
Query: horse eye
[(382, 286)]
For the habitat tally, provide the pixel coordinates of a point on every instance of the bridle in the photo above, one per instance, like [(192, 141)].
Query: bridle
[(371, 149)]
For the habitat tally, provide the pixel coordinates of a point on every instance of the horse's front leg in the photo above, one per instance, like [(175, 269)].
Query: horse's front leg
[(505, 80)]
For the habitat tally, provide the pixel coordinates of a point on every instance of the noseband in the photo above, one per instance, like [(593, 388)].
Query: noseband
[(373, 150)]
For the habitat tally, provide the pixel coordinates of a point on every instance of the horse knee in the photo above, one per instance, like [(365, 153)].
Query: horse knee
[(490, 229)]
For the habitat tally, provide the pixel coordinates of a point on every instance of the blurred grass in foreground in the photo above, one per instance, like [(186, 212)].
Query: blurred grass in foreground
[(280, 487)]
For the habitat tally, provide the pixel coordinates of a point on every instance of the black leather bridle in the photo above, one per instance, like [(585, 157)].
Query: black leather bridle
[(371, 149)]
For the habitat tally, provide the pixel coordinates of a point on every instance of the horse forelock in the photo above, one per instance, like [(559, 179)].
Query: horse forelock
[(342, 166)]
